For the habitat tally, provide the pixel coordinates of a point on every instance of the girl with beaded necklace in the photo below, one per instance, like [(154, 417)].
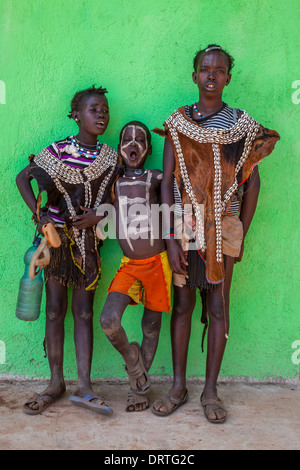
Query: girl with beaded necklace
[(210, 159), (77, 174)]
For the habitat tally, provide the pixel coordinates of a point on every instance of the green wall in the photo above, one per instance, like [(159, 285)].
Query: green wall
[(142, 52)]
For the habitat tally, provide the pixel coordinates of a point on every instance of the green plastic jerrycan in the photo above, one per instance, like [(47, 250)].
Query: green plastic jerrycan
[(30, 290)]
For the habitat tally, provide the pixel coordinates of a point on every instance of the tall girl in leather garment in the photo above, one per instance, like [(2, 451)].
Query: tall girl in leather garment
[(210, 163)]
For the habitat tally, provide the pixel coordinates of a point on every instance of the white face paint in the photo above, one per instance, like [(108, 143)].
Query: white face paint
[(135, 216), (134, 145)]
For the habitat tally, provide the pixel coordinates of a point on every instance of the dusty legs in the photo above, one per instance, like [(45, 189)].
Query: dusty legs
[(111, 317), (56, 308), (218, 312)]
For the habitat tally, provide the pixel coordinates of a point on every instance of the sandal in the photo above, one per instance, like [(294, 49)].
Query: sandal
[(170, 403), (137, 372), (43, 401), (87, 401), (211, 405), (134, 399)]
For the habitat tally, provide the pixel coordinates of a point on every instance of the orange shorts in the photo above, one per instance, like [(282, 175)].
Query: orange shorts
[(145, 280)]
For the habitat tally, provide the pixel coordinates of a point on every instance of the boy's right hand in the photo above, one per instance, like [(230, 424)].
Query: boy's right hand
[(176, 257)]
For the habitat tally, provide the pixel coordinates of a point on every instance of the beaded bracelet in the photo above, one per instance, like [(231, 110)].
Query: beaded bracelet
[(169, 233)]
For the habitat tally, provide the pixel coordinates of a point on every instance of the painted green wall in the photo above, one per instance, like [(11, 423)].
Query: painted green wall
[(142, 52)]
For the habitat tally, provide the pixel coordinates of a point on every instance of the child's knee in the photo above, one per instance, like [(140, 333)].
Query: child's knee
[(52, 314), (86, 314), (55, 311), (109, 321), (216, 307), (183, 308)]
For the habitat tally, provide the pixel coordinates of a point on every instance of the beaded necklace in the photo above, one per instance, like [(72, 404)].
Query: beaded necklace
[(139, 174), (92, 154), (197, 112)]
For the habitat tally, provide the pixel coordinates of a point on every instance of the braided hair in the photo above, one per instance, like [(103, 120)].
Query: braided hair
[(81, 95), (213, 48)]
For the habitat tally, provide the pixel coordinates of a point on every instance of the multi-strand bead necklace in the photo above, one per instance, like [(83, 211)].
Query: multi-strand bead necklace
[(84, 151)]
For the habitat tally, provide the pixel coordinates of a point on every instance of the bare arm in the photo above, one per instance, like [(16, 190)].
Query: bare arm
[(249, 205), (177, 259), (24, 186)]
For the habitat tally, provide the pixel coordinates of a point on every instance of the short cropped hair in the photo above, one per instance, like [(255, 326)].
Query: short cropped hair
[(79, 97)]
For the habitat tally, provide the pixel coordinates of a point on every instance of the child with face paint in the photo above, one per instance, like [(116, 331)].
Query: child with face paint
[(144, 274), (77, 173)]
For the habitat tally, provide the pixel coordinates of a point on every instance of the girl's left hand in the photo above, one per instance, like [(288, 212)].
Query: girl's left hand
[(88, 219)]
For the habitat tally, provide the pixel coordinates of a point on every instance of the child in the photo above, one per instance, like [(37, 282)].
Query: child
[(77, 173), (144, 274), (212, 150)]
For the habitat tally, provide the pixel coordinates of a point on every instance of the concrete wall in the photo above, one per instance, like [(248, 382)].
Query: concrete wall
[(142, 52)]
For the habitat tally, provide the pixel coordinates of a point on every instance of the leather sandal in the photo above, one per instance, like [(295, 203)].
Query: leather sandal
[(170, 403), (137, 372), (211, 404), (43, 401), (133, 399)]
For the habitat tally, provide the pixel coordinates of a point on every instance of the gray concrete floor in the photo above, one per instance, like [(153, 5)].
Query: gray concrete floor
[(260, 416)]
